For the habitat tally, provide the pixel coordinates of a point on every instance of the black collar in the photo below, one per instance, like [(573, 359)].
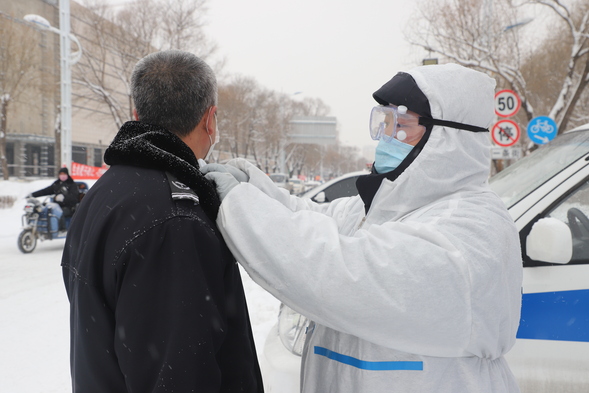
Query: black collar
[(148, 146), (368, 185)]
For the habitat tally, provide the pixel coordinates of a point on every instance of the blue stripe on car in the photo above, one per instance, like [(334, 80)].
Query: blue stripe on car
[(561, 316), (366, 365)]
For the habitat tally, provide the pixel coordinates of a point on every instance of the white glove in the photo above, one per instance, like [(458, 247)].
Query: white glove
[(243, 165), (224, 181), (59, 198), (238, 174)]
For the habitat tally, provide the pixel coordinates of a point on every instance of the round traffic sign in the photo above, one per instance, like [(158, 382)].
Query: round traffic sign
[(507, 103), (505, 133), (542, 129)]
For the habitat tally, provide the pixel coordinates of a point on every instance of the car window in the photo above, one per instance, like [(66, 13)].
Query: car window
[(344, 188), (276, 178), (520, 179), (573, 210)]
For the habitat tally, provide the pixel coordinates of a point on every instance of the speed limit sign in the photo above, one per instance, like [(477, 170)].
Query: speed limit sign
[(507, 103)]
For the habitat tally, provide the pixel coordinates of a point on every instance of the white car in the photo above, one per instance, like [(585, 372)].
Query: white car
[(297, 186), (547, 194), (310, 184), (342, 186)]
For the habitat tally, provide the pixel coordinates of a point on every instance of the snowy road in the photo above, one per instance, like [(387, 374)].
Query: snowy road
[(34, 315)]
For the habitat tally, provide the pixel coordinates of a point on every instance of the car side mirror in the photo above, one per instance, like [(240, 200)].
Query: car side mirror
[(320, 198), (550, 240)]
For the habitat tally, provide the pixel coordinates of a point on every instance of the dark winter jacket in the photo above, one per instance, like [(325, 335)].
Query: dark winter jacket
[(69, 190), (157, 303)]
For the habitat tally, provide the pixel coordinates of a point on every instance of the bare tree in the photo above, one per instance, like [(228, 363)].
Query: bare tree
[(576, 76), (114, 42), (240, 103), (484, 35), (18, 63), (254, 122), (474, 33), (311, 106), (259, 122), (182, 27), (103, 71)]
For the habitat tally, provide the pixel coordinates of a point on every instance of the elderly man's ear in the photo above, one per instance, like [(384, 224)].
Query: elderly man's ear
[(211, 122), (203, 136)]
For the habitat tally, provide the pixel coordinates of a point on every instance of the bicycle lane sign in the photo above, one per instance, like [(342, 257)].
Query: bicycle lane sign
[(542, 129)]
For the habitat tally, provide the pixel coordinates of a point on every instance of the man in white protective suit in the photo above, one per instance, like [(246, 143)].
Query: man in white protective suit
[(414, 285)]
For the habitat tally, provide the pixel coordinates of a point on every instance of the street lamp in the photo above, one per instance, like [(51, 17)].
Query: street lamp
[(67, 59)]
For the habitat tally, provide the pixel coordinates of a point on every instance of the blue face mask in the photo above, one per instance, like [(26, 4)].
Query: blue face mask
[(390, 154)]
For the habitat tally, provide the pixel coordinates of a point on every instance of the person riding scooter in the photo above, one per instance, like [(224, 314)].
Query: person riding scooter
[(66, 197)]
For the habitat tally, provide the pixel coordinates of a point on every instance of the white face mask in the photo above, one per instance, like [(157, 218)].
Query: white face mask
[(212, 143), (208, 155)]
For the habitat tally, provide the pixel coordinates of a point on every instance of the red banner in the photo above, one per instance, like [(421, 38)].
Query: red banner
[(81, 171)]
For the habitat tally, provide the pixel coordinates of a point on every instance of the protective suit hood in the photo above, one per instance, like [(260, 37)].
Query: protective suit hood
[(452, 160)]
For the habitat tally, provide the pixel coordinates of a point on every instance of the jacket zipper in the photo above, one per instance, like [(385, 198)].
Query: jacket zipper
[(361, 222)]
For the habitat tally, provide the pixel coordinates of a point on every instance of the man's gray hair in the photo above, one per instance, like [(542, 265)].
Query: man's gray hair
[(173, 89)]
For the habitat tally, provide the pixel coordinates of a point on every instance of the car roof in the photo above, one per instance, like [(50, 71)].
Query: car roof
[(313, 191), (584, 127)]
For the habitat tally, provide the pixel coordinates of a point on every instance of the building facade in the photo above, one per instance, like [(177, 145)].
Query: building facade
[(32, 124)]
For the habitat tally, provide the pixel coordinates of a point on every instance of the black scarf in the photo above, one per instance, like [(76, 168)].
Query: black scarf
[(148, 146), (368, 185)]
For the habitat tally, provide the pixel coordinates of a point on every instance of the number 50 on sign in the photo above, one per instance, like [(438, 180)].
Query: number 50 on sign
[(507, 103)]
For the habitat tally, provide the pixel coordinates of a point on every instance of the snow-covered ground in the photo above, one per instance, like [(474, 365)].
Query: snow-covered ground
[(34, 316)]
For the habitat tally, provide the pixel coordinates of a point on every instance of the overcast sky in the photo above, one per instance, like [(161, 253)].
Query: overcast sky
[(338, 50)]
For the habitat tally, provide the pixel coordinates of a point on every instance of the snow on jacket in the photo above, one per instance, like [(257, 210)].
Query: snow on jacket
[(157, 303), (69, 190), (420, 294)]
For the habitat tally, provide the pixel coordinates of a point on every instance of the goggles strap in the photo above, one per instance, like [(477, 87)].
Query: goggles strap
[(425, 121)]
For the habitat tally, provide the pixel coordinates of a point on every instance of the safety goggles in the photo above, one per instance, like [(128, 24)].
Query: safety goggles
[(391, 121)]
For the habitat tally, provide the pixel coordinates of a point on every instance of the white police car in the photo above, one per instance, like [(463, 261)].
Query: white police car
[(547, 194)]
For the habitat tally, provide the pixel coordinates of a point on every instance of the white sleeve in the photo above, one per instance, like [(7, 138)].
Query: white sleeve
[(398, 285), (263, 182)]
